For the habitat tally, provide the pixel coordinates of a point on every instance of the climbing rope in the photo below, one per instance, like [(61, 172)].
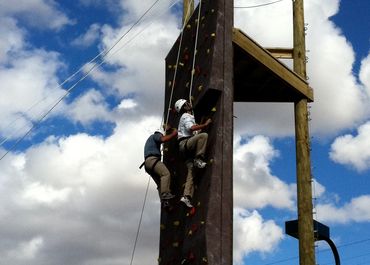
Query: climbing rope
[(195, 53), (175, 72), (139, 225)]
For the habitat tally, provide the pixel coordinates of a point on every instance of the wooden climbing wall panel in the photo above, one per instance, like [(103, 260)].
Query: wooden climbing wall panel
[(203, 234)]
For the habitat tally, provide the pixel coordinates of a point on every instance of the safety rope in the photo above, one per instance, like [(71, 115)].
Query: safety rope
[(140, 220), (103, 55), (175, 72), (195, 54)]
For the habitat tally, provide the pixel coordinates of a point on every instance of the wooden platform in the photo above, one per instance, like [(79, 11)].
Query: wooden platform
[(260, 77)]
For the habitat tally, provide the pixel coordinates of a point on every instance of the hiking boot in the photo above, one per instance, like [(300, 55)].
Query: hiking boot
[(167, 195), (186, 200), (199, 163)]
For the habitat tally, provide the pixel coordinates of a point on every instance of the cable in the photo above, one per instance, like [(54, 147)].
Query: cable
[(141, 218), (175, 73), (266, 4), (195, 53), (103, 55)]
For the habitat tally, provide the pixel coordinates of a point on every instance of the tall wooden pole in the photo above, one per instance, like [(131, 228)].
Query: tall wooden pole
[(304, 189), (187, 10)]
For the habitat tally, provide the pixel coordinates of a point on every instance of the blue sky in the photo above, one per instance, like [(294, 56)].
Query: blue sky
[(71, 191)]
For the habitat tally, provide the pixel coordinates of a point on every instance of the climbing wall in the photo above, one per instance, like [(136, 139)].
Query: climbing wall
[(203, 234)]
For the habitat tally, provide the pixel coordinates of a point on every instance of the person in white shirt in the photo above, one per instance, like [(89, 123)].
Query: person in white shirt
[(192, 143)]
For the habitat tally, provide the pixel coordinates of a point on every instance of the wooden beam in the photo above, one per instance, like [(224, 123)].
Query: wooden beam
[(277, 67), (281, 53)]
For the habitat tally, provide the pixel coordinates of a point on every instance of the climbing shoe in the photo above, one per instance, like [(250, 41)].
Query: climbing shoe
[(199, 163), (186, 200), (167, 195)]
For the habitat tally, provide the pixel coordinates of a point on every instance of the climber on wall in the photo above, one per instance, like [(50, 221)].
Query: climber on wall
[(192, 144), (153, 164)]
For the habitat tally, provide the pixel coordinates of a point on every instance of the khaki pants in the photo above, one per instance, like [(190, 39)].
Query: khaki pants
[(159, 173), (192, 147)]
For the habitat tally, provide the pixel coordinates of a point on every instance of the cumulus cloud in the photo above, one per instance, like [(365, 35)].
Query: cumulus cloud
[(89, 107), (352, 150), (139, 59), (89, 38), (81, 194), (252, 233), (31, 73), (47, 13), (254, 184), (365, 73), (357, 210), (329, 68)]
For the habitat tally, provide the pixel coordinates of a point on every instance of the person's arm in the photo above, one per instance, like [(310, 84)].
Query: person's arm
[(168, 137), (197, 127)]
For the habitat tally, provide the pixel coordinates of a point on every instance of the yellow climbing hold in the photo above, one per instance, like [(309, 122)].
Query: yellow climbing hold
[(214, 109), (213, 34), (163, 227), (176, 223), (200, 88)]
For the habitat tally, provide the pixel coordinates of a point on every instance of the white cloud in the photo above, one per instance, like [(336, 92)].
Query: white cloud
[(89, 107), (365, 73), (357, 210), (254, 185), (36, 13), (89, 38), (140, 61), (12, 38), (90, 189), (353, 150), (329, 68), (127, 104), (33, 74), (253, 234)]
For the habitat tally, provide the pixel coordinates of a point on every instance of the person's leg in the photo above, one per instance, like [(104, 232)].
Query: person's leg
[(198, 144), (165, 177), (189, 185)]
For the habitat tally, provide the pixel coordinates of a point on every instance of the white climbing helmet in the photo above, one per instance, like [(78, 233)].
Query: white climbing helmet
[(179, 104)]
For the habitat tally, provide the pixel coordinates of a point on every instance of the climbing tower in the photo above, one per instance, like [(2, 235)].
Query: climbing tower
[(214, 65)]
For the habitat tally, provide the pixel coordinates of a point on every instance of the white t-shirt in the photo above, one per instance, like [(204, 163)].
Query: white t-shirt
[(186, 122)]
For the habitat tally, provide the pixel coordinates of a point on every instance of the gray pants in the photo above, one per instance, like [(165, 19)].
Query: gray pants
[(159, 173), (192, 147)]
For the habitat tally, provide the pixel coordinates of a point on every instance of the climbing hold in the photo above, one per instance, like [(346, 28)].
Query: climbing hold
[(205, 260), (198, 204), (211, 161), (187, 84), (214, 109), (181, 64), (192, 98), (200, 88), (175, 244), (192, 211), (165, 149), (176, 223), (202, 223), (191, 256), (208, 51), (169, 83), (213, 34), (169, 66), (163, 227), (190, 233), (188, 26)]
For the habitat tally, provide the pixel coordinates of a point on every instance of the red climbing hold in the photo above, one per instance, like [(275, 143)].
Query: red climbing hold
[(192, 211)]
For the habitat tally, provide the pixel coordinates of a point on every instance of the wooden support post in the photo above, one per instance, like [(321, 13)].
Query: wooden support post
[(187, 10), (304, 189)]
